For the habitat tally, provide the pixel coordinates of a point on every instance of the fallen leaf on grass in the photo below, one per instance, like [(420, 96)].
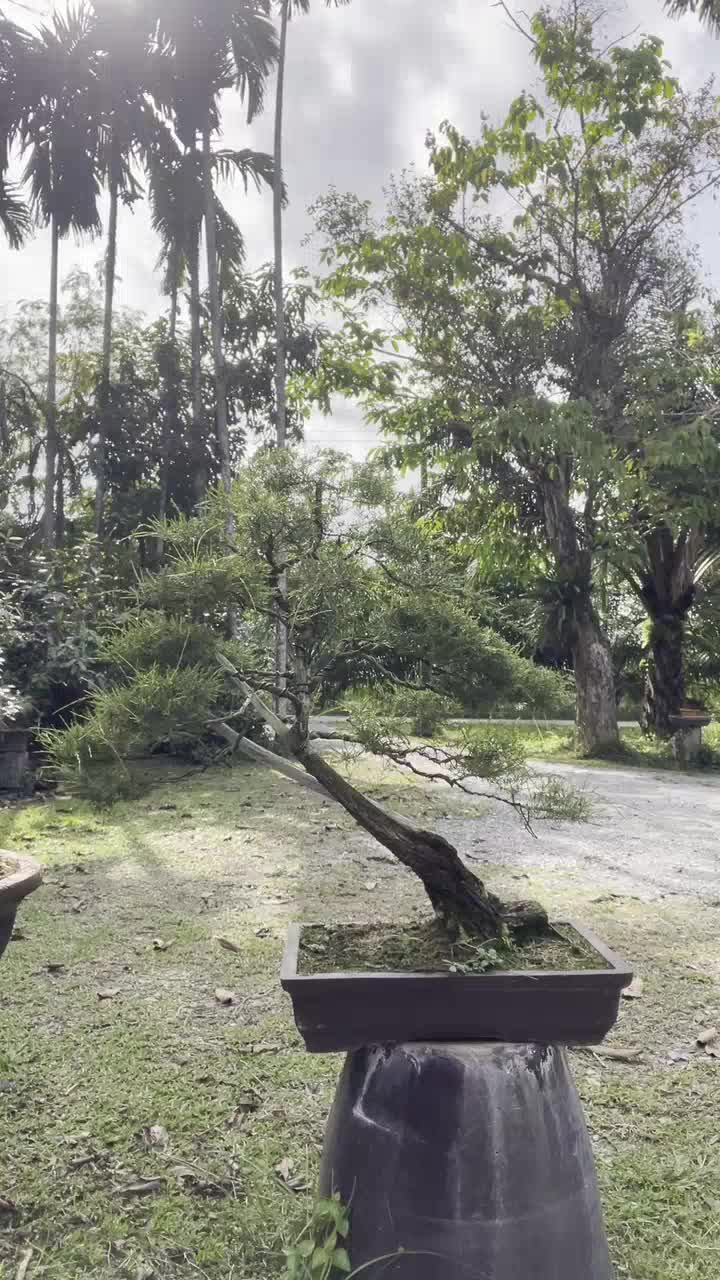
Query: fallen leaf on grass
[(54, 966), (79, 1162), (246, 1103), (262, 931), (160, 945), (261, 1047), (285, 1171), (223, 996), (200, 1183), (108, 993), (678, 1055), (229, 945), (712, 1050), (634, 991), (370, 885), (709, 1036), (617, 1055), (141, 1187), (155, 1137), (24, 1263)]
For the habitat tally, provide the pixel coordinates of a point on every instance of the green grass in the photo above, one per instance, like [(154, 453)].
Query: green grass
[(637, 750), (236, 857)]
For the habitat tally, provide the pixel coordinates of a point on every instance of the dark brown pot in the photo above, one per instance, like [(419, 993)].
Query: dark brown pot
[(25, 876), (14, 758), (341, 1011)]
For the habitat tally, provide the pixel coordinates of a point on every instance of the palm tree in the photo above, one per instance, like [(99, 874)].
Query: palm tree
[(15, 53), (131, 73), (708, 11), (58, 140), (177, 198), (229, 43)]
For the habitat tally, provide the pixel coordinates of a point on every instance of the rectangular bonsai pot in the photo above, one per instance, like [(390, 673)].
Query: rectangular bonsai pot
[(342, 1011)]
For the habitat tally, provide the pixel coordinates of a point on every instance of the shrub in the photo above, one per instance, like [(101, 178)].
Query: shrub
[(426, 710), (157, 709)]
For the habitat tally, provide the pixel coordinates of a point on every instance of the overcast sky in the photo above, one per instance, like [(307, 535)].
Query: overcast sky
[(364, 84)]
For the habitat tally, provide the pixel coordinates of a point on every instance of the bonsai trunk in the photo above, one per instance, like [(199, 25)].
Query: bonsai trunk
[(458, 897)]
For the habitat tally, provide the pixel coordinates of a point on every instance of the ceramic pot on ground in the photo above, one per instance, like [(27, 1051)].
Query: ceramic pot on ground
[(19, 876)]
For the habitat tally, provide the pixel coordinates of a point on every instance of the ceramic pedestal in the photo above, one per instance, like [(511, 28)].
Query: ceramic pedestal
[(465, 1162)]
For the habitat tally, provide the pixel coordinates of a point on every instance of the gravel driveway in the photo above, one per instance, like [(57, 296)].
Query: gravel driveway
[(651, 833)]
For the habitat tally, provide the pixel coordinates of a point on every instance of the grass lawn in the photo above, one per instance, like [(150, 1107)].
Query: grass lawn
[(548, 741), (149, 1130)]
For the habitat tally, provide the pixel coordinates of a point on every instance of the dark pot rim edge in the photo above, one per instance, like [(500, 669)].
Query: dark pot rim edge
[(617, 966), (23, 880)]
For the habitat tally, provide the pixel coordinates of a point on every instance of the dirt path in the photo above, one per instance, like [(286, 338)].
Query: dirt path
[(653, 834)]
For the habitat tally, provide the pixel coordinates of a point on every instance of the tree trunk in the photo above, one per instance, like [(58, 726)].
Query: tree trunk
[(169, 415), (51, 419), (596, 705), (280, 370), (458, 897), (221, 420), (200, 475), (667, 589), (110, 269), (60, 503), (665, 679), (281, 631), (596, 714)]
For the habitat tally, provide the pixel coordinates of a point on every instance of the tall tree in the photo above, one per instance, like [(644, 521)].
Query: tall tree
[(177, 198), (60, 144), (133, 78), (517, 336), (229, 44)]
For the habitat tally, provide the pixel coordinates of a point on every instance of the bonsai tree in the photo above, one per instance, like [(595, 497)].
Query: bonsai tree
[(327, 547)]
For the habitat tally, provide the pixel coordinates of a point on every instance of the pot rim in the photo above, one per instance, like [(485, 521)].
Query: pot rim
[(617, 967), (23, 879)]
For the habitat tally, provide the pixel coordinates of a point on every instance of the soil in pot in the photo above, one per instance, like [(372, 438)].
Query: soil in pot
[(426, 948)]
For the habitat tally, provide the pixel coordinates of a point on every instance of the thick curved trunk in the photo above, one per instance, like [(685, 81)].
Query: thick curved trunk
[(458, 897)]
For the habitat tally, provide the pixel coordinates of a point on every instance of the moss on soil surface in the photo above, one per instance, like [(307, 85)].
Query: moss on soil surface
[(425, 948), (109, 1025)]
